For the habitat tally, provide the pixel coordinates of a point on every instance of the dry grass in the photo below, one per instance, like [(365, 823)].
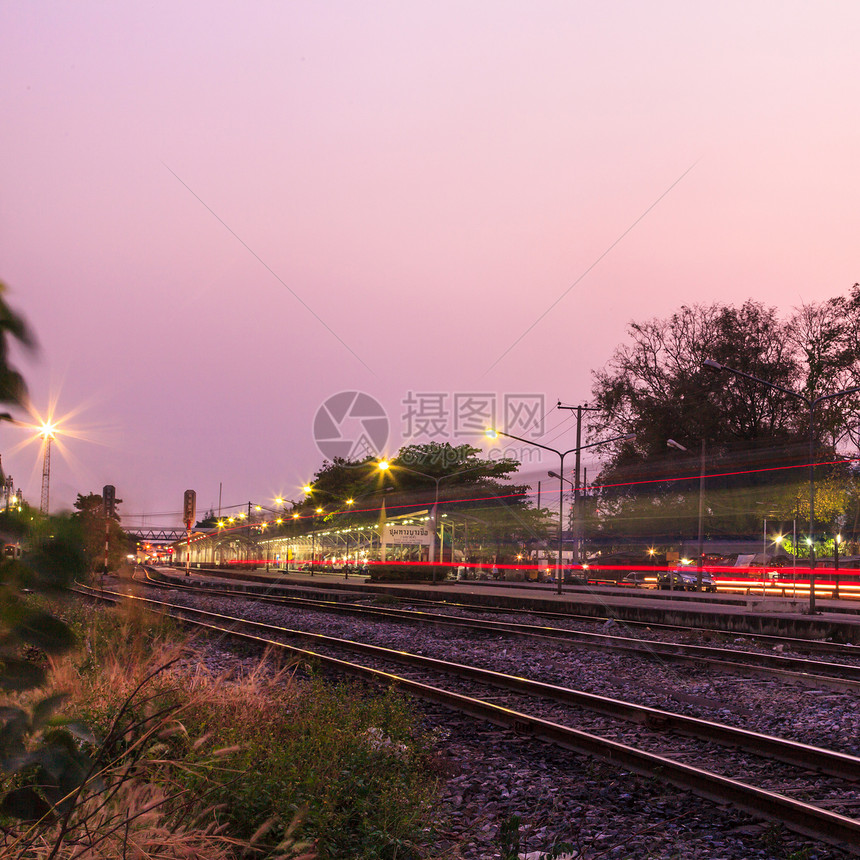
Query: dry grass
[(131, 683), (193, 765)]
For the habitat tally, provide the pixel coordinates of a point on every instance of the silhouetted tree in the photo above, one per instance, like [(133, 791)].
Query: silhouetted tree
[(13, 390), (89, 512), (656, 387)]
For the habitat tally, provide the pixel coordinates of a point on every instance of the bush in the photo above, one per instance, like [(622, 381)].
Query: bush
[(335, 768), (187, 764), (404, 572)]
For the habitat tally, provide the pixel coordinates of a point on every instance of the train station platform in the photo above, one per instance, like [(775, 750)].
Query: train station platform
[(836, 620)]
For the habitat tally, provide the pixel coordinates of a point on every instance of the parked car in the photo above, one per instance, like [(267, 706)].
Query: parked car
[(639, 579), (686, 579), (575, 576)]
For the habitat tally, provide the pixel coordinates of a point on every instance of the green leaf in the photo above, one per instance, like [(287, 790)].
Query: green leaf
[(54, 760), (24, 804), (44, 709), (82, 733), (15, 724), (12, 611), (74, 776), (62, 739), (20, 675), (8, 713), (46, 632)]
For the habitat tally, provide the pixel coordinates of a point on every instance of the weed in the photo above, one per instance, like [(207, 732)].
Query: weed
[(508, 838), (773, 838), (191, 765)]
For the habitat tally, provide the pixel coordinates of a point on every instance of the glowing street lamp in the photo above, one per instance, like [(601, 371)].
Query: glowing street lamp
[(309, 489)]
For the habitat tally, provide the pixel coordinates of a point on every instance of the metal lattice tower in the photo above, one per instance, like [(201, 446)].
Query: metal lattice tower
[(46, 475)]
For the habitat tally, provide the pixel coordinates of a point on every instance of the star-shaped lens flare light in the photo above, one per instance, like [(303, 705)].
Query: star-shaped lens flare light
[(49, 431)]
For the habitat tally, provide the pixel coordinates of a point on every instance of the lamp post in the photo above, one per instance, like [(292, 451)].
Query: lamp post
[(576, 471), (308, 489), (492, 434), (465, 517), (575, 488), (263, 524), (317, 513), (811, 403), (385, 465), (701, 547), (349, 502), (314, 516), (794, 557)]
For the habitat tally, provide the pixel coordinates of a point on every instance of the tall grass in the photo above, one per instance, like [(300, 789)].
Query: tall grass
[(189, 764)]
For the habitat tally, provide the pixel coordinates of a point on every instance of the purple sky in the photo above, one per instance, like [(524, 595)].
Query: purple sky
[(428, 178)]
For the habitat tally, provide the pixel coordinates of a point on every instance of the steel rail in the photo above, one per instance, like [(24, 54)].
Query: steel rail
[(804, 818), (793, 642), (799, 670), (812, 758)]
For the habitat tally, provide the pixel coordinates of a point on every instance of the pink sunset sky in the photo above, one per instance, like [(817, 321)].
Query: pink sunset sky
[(217, 215)]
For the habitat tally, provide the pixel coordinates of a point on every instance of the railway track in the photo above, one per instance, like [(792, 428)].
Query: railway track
[(796, 644), (543, 712), (759, 664)]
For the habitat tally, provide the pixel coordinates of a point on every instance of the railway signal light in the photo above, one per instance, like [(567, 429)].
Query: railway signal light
[(109, 497), (189, 507)]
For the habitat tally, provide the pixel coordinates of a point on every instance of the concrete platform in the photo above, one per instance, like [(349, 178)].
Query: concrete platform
[(836, 619)]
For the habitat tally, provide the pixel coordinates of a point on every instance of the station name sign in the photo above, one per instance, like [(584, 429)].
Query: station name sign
[(406, 535)]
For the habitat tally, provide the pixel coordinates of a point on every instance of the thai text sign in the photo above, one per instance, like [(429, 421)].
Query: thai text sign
[(406, 535)]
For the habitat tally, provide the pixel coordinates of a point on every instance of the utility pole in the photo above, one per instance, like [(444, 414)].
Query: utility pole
[(701, 547), (577, 517)]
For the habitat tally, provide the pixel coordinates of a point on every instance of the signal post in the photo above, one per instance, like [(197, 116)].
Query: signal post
[(109, 501), (189, 509)]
